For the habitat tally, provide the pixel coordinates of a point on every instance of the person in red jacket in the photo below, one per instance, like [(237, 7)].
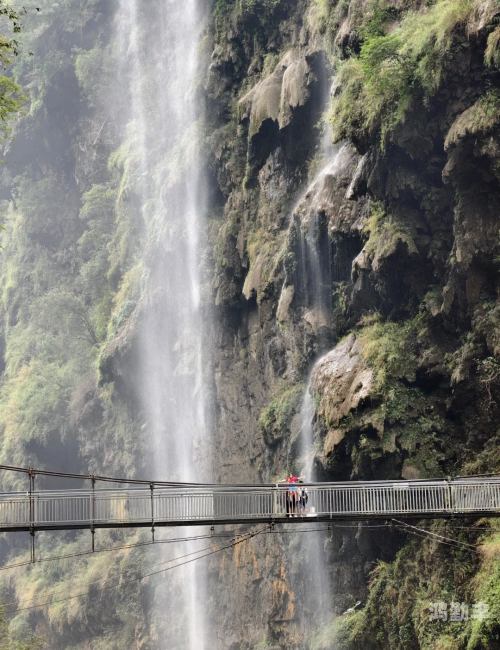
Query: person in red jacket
[(292, 496)]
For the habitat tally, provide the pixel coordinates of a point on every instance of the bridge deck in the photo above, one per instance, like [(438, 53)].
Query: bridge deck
[(202, 505)]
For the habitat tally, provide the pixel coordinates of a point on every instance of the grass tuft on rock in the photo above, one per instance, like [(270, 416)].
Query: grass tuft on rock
[(276, 419), (480, 119), (398, 63)]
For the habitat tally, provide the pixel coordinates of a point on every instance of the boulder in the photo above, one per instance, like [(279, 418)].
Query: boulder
[(275, 97), (342, 380)]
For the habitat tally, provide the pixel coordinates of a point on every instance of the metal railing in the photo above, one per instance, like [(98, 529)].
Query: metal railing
[(196, 505)]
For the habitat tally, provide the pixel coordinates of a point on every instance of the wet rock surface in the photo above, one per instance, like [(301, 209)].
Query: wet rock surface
[(402, 229), (342, 380)]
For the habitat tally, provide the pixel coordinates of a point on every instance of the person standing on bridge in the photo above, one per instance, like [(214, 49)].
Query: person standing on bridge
[(303, 497), (292, 496)]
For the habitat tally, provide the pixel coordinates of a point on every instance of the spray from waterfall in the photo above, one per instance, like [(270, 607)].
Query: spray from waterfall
[(157, 47)]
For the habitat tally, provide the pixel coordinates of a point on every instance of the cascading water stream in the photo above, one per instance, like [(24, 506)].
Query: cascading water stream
[(158, 43), (317, 587), (315, 249), (306, 441), (316, 275)]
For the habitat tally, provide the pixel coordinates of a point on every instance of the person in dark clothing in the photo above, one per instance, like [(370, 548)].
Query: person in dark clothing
[(303, 498)]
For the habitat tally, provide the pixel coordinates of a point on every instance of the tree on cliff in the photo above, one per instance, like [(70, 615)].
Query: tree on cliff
[(12, 96)]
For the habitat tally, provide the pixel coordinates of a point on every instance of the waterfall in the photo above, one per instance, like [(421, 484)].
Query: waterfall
[(306, 440), (316, 588), (316, 288), (315, 246), (157, 47)]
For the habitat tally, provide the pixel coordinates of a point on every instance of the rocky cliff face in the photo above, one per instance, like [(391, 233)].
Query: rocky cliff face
[(371, 263)]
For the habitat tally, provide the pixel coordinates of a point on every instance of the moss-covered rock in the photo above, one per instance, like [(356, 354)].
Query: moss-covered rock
[(276, 420)]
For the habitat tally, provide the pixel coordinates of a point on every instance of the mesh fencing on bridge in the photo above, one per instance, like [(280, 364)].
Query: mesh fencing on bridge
[(160, 506)]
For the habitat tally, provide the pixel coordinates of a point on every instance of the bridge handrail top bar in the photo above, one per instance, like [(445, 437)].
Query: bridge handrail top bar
[(199, 489), (201, 486)]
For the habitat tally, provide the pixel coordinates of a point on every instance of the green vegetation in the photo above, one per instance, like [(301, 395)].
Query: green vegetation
[(266, 255), (338, 635), (385, 233), (70, 278), (256, 31), (18, 636), (403, 416), (390, 349), (396, 615), (325, 17), (492, 54), (276, 419), (12, 96), (256, 15), (395, 67), (480, 119)]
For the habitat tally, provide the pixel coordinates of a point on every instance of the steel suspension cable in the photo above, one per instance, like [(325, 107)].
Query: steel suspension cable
[(438, 538), (110, 479), (418, 532), (235, 542), (151, 566), (107, 549)]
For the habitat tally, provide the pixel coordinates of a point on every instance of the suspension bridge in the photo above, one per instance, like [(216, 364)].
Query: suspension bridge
[(157, 504)]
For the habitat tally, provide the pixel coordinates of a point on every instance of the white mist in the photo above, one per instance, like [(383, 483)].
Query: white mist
[(157, 48)]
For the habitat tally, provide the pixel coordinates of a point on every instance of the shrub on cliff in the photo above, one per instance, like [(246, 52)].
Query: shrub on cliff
[(389, 349), (19, 639), (396, 65), (12, 96), (276, 419)]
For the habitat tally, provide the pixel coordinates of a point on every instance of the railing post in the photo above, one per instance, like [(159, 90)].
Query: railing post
[(152, 487), (32, 511), (92, 513), (450, 495)]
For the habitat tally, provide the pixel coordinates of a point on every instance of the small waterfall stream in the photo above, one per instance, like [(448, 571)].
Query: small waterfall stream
[(306, 440), (315, 246), (157, 45), (317, 588), (316, 278)]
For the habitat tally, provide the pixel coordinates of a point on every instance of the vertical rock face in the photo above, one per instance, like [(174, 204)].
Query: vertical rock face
[(387, 240)]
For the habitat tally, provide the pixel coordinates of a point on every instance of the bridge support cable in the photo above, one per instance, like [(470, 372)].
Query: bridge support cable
[(104, 479), (108, 549), (427, 534), (67, 594), (238, 538), (234, 542), (392, 526), (146, 482)]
